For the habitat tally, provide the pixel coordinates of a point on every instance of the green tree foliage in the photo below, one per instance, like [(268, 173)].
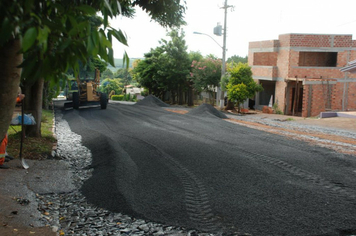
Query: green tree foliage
[(107, 74), (55, 35), (166, 67), (205, 74), (124, 74), (195, 56), (236, 59), (238, 93), (148, 72), (109, 85), (176, 64), (134, 75), (241, 85)]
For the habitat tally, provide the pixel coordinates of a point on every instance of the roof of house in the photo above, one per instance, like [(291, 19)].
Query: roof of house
[(134, 90), (351, 67)]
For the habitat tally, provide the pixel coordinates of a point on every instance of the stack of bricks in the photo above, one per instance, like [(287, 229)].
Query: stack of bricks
[(267, 109)]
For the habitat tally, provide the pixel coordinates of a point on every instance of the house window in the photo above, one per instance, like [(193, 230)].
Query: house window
[(265, 59), (318, 59)]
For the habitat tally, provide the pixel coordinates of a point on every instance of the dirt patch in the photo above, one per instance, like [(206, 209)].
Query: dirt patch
[(178, 111)]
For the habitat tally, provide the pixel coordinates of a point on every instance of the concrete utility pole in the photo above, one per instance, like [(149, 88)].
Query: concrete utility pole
[(223, 67), (219, 34), (217, 31)]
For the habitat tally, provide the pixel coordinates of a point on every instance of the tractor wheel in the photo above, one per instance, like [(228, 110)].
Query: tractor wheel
[(75, 100), (103, 100)]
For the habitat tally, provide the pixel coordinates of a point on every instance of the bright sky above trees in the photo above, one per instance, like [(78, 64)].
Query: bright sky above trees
[(251, 20)]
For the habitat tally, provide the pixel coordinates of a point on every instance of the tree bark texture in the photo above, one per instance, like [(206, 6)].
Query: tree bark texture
[(180, 95), (230, 105), (33, 105), (173, 97), (45, 94), (190, 96), (9, 82)]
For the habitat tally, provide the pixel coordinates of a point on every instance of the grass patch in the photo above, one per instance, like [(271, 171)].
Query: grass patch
[(33, 148), (290, 119)]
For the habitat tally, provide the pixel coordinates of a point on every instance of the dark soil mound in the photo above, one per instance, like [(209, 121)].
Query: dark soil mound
[(206, 109), (152, 101)]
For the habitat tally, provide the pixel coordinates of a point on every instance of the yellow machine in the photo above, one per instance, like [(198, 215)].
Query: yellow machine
[(87, 93)]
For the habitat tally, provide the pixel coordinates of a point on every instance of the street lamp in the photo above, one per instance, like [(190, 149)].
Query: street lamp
[(223, 69), (209, 37), (223, 66)]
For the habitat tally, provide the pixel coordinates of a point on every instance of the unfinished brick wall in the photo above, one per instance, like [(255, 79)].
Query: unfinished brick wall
[(345, 96), (268, 72), (338, 97), (263, 44), (322, 97), (265, 58), (280, 94), (335, 97), (324, 55), (351, 98), (315, 40), (283, 62), (307, 89)]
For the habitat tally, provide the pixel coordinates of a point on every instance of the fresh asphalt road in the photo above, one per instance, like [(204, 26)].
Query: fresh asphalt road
[(205, 173)]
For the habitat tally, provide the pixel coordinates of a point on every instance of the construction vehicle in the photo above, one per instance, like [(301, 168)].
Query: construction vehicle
[(88, 93), (72, 86)]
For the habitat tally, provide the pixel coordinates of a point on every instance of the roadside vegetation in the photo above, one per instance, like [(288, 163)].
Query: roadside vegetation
[(51, 53), (42, 43), (124, 97), (33, 148)]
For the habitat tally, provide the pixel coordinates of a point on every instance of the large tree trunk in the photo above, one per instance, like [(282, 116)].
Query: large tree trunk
[(180, 96), (9, 82), (230, 105), (46, 100), (33, 105), (190, 96), (173, 97)]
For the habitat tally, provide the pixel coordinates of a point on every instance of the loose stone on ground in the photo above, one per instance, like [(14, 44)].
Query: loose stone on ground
[(71, 214)]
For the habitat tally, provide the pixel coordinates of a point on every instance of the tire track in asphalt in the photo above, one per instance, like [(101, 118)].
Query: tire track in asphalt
[(329, 186), (197, 202), (195, 198)]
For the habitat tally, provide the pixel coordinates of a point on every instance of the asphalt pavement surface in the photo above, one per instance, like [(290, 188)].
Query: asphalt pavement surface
[(199, 171)]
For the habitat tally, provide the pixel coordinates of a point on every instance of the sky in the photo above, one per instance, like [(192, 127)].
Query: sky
[(247, 21)]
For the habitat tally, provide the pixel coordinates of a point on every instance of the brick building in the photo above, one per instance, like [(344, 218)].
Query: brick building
[(302, 72)]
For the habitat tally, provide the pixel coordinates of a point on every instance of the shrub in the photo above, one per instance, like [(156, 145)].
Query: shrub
[(117, 97), (276, 109), (111, 93), (144, 93), (127, 97)]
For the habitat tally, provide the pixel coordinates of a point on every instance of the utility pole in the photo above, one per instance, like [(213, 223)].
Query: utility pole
[(223, 67)]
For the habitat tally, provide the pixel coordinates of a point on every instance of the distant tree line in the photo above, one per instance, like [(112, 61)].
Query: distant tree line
[(170, 69)]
